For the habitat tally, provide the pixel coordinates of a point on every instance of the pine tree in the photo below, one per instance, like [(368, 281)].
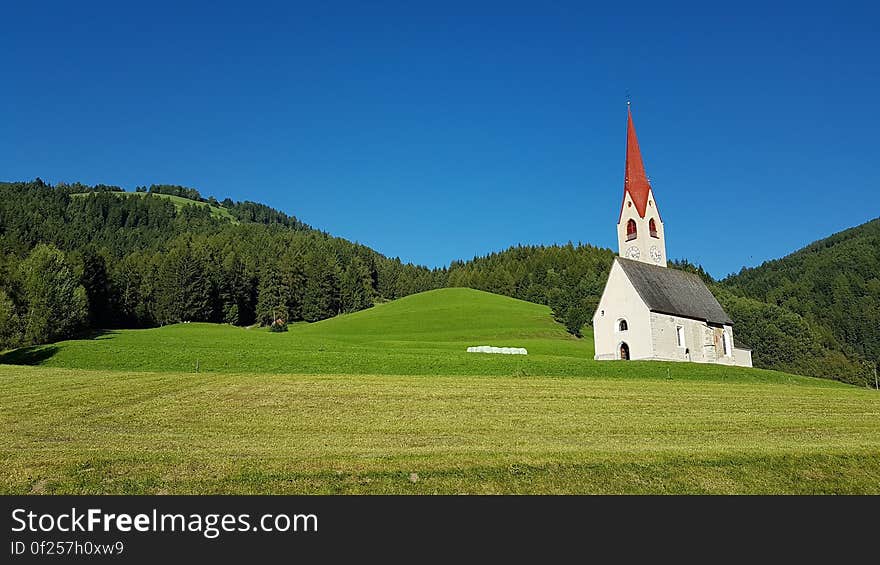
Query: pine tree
[(356, 287), (321, 299), (272, 295), (292, 273), (184, 289), (96, 283), (235, 292)]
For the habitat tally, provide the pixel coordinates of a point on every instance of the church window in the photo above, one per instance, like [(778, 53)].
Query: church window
[(652, 227), (725, 339), (631, 231), (622, 326), (679, 335)]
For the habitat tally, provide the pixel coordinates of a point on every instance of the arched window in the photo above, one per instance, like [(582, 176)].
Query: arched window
[(624, 351), (622, 326), (631, 230), (652, 227)]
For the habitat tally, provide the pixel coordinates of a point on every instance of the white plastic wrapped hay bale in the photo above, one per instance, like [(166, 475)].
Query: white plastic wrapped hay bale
[(497, 350)]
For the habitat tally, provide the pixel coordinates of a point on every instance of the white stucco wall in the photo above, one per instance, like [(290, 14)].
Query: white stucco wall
[(742, 357), (652, 335), (643, 241), (621, 301)]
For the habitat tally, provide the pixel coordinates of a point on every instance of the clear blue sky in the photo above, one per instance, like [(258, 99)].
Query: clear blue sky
[(436, 131)]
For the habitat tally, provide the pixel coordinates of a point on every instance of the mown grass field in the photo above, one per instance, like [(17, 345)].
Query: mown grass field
[(387, 401)]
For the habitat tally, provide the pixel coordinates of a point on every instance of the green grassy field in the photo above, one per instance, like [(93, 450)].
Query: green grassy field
[(387, 401), (178, 201), (424, 334)]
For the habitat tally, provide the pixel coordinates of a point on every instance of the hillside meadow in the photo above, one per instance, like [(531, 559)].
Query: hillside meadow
[(178, 201), (387, 401), (422, 334)]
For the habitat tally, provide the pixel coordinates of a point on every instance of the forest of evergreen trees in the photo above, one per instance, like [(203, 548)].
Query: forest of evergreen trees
[(832, 286), (69, 264)]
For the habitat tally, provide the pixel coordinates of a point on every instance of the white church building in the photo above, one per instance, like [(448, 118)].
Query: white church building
[(648, 311)]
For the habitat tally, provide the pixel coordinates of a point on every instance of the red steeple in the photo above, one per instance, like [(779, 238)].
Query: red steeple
[(635, 180)]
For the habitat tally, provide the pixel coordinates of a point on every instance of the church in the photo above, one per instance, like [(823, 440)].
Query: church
[(648, 311)]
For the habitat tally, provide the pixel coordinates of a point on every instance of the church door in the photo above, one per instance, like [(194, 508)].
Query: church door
[(624, 351)]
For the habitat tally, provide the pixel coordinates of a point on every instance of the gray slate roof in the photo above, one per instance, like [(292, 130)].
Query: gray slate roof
[(670, 291)]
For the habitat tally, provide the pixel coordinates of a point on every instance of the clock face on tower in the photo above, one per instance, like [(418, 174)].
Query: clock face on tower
[(655, 254), (633, 252)]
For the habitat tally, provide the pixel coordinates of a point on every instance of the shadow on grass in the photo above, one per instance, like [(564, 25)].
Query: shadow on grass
[(39, 354), (35, 355), (96, 334)]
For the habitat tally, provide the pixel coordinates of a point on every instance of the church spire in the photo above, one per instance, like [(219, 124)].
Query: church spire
[(640, 232), (635, 179)]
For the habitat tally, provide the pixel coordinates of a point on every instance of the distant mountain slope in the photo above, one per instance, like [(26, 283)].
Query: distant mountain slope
[(833, 282)]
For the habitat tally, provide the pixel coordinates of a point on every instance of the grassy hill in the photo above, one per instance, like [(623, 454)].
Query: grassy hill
[(387, 401), (422, 334), (143, 265), (178, 201)]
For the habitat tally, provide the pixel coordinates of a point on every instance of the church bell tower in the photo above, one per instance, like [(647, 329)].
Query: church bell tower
[(640, 233)]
